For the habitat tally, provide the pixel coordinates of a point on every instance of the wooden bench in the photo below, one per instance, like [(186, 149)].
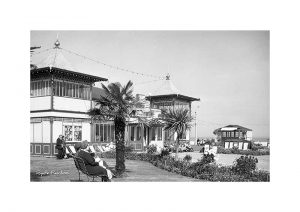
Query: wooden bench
[(80, 166)]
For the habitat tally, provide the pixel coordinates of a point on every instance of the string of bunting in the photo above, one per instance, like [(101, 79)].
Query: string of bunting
[(112, 66)]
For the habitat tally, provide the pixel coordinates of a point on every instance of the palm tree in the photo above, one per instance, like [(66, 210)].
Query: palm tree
[(115, 104), (177, 120)]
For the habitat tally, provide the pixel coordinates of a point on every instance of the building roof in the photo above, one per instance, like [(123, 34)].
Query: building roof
[(56, 59), (168, 89), (56, 63), (231, 128), (97, 93)]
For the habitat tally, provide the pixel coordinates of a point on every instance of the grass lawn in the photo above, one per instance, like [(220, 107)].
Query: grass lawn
[(51, 169)]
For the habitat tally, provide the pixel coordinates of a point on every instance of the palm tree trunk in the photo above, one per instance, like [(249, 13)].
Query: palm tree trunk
[(120, 144), (177, 147)]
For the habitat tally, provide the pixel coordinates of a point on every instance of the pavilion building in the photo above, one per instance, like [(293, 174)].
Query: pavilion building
[(146, 129), (59, 100)]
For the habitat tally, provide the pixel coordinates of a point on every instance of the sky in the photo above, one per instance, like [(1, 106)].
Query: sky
[(227, 70)]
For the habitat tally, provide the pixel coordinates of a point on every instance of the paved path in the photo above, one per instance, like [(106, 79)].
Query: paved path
[(50, 169)]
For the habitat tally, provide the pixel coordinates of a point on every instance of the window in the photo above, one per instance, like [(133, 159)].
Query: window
[(108, 133), (81, 91), (31, 89), (132, 133), (68, 132), (112, 131), (105, 132), (101, 132), (61, 89), (97, 126), (159, 133), (77, 133), (138, 133), (153, 134), (42, 88), (145, 133), (183, 135), (77, 91), (224, 134), (232, 134)]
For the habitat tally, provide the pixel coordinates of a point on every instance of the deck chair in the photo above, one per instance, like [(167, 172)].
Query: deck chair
[(80, 166), (206, 148), (92, 149), (105, 149), (72, 149), (99, 147), (67, 151)]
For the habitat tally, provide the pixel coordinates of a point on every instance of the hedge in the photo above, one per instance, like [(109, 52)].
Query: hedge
[(199, 170)]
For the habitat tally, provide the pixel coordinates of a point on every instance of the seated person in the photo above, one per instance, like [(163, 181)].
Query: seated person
[(93, 166), (101, 162)]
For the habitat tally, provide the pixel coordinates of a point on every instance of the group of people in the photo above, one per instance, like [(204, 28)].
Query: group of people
[(94, 165)]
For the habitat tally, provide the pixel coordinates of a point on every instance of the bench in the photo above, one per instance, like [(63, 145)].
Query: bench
[(80, 166)]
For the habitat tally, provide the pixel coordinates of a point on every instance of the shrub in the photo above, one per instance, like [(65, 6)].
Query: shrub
[(151, 149), (204, 169), (129, 148), (164, 152), (207, 158), (245, 165), (187, 158)]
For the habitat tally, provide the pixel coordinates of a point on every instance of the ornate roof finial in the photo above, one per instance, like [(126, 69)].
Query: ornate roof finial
[(168, 76), (57, 43)]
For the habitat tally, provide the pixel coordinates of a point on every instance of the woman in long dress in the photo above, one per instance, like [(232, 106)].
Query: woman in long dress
[(60, 146)]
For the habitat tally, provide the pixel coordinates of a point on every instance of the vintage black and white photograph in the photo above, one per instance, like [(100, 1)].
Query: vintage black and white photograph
[(149, 106)]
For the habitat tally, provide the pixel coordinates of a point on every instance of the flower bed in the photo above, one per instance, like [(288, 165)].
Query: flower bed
[(203, 169)]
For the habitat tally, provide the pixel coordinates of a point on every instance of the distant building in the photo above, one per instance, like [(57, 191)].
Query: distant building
[(169, 97), (234, 136), (262, 143)]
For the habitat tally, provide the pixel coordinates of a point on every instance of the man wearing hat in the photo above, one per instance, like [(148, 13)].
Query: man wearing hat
[(93, 167)]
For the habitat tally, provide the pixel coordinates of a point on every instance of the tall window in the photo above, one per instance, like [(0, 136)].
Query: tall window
[(132, 133), (108, 133), (153, 134), (101, 132), (112, 132), (159, 133), (138, 133), (97, 136), (77, 133), (105, 132), (68, 129)]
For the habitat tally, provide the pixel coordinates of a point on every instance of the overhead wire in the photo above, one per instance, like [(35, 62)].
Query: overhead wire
[(111, 66)]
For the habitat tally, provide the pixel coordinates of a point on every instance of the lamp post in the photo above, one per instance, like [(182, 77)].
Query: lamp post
[(196, 124)]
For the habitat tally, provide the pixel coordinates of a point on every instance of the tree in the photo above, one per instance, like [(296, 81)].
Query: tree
[(115, 104), (177, 120)]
